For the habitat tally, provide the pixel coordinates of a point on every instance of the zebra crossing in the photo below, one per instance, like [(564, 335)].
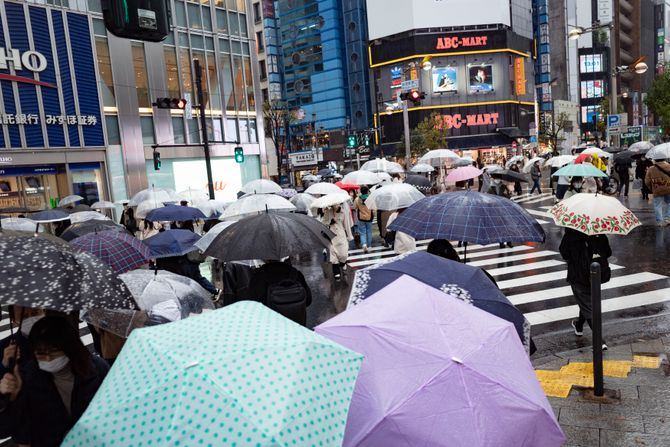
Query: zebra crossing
[(533, 279)]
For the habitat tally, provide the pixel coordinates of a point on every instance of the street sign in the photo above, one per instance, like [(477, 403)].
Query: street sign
[(188, 110), (409, 85), (613, 121)]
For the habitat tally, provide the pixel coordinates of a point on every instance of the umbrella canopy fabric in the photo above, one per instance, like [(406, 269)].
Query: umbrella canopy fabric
[(119, 250), (303, 202), (463, 161), (213, 232), (85, 216), (325, 173), (69, 200), (275, 237), (439, 372), (594, 214), (50, 216), (660, 152), (15, 210), (258, 203), (310, 178), (382, 165), (596, 151), (463, 173), (18, 224), (361, 178), (560, 160), (492, 168), (261, 186), (331, 200), (192, 195), (242, 375), (323, 189), (393, 196), (347, 186), (469, 216), (172, 243), (287, 193), (147, 206), (641, 147), (529, 164), (210, 207), (103, 205), (419, 182), (422, 168), (437, 157), (119, 322), (507, 175), (579, 170), (157, 195), (51, 275), (514, 160), (174, 213), (91, 226), (467, 283), (624, 157)]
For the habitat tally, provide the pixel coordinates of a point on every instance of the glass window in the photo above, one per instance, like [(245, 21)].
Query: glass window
[(183, 40), (214, 90), (221, 21), (217, 130), (241, 6), (178, 130), (238, 80), (234, 23), (257, 13), (186, 72), (263, 70), (231, 129), (260, 46), (172, 72), (249, 84), (197, 41), (194, 20), (209, 43), (224, 45), (180, 13), (253, 135), (105, 70), (219, 3), (194, 130), (95, 6), (245, 48), (141, 80), (113, 134), (243, 26), (226, 74), (148, 135), (236, 47), (99, 28), (231, 5), (244, 131), (169, 39), (206, 18)]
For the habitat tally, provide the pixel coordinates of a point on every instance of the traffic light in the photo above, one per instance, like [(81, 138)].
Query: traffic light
[(366, 139), (415, 96), (239, 155), (170, 103), (157, 161), (352, 141), (137, 19)]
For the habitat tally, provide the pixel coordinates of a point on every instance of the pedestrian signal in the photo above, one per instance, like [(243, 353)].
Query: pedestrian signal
[(157, 161), (352, 141), (239, 155), (137, 19)]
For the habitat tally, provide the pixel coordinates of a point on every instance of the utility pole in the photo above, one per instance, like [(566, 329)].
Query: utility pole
[(408, 150), (203, 126)]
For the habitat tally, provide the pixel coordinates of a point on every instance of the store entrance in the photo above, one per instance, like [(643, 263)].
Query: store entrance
[(30, 189)]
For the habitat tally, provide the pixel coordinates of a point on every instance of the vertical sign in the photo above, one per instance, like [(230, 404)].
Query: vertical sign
[(519, 76), (605, 11)]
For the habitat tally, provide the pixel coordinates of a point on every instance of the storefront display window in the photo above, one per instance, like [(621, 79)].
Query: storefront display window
[(87, 181)]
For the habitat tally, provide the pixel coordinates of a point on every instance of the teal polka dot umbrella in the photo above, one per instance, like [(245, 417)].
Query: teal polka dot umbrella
[(239, 376)]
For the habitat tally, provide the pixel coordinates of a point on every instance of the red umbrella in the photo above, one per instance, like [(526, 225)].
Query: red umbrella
[(347, 186), (582, 158)]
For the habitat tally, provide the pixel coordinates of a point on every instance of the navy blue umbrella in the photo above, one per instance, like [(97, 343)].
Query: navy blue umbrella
[(174, 213), (50, 216), (172, 243), (468, 283), (469, 216)]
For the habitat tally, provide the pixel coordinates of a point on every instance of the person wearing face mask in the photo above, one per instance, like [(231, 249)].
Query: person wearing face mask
[(23, 319), (575, 187), (48, 400)]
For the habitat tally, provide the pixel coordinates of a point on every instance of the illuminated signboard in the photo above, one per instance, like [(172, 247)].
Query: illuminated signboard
[(396, 77), (589, 63), (457, 120), (444, 80), (481, 78), (454, 42), (592, 89), (519, 76)]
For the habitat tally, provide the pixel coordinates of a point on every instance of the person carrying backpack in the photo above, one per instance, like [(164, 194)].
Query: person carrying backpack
[(365, 218), (282, 288)]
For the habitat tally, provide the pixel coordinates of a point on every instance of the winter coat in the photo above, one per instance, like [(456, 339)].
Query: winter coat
[(272, 273), (535, 172), (578, 250), (657, 180), (403, 241), (340, 224)]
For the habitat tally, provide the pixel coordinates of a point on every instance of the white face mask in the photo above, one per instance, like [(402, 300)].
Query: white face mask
[(28, 323), (55, 365)]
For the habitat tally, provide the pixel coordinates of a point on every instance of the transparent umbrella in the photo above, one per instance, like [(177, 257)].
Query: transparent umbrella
[(261, 186), (83, 216), (103, 205), (157, 195), (257, 203), (382, 165), (192, 195), (438, 157), (423, 168), (69, 200), (303, 202), (660, 152), (361, 178), (393, 196), (323, 189)]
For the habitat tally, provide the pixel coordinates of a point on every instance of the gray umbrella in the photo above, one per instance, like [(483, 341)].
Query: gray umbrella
[(39, 272), (270, 236), (90, 226)]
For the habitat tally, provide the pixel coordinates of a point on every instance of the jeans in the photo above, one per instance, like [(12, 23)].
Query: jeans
[(365, 229), (536, 184), (661, 202)]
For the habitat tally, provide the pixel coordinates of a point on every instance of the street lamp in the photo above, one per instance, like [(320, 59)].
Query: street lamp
[(426, 64)]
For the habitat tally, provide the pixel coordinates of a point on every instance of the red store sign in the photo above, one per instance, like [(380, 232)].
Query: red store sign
[(456, 121), (448, 43)]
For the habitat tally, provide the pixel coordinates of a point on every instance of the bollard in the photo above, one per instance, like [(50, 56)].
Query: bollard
[(596, 321)]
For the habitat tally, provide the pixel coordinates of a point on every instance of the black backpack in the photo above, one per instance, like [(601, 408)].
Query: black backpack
[(288, 297)]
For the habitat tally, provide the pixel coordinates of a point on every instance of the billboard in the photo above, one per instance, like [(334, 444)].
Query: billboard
[(481, 78), (592, 89), (589, 63), (444, 80), (388, 17)]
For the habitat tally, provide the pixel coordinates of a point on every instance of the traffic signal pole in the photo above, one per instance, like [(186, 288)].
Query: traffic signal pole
[(203, 126), (408, 150)]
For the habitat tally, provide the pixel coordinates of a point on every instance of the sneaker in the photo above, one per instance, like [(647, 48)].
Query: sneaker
[(365, 248), (578, 332), (604, 347), (337, 277)]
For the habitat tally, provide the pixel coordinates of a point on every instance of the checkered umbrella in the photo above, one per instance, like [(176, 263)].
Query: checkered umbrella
[(469, 216), (120, 251)]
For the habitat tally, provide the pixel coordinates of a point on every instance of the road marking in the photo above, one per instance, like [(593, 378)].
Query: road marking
[(541, 199), (540, 213), (546, 207), (524, 267), (523, 257), (532, 199), (536, 279)]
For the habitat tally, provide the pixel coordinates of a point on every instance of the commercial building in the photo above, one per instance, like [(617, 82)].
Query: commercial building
[(76, 103)]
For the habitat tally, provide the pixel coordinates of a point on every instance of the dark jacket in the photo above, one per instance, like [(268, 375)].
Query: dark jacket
[(578, 249), (535, 172), (38, 417), (274, 272)]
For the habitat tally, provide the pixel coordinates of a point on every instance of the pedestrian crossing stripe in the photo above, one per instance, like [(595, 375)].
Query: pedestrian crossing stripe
[(540, 213), (529, 198)]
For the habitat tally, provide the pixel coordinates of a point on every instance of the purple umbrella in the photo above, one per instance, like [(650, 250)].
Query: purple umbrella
[(438, 372), (120, 251), (463, 173)]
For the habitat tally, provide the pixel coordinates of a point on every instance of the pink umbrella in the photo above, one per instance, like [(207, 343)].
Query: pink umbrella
[(464, 173)]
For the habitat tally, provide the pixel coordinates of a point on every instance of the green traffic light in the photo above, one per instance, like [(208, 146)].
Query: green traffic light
[(239, 155)]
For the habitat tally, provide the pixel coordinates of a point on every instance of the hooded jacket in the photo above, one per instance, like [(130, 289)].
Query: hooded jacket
[(657, 180)]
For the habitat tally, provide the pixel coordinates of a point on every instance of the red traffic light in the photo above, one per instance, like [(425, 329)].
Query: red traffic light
[(415, 96), (178, 103), (170, 103)]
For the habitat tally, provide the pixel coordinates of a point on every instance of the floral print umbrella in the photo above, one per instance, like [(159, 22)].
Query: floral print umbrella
[(39, 272), (594, 214)]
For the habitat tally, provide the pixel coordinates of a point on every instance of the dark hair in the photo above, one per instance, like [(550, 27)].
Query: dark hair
[(187, 225), (443, 249), (365, 190), (52, 332)]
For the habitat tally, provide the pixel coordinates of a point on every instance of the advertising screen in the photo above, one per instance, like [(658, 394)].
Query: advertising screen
[(592, 89), (481, 78), (444, 80), (588, 113), (588, 63)]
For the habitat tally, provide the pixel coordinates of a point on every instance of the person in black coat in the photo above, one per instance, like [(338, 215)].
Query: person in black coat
[(641, 167), (51, 394), (580, 250)]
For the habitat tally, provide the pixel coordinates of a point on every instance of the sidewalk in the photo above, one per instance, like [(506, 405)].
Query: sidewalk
[(637, 412)]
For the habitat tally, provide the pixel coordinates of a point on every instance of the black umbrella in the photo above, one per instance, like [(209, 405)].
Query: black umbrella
[(507, 175), (15, 210), (39, 272), (419, 182), (90, 226), (270, 236), (54, 215), (326, 173), (624, 157)]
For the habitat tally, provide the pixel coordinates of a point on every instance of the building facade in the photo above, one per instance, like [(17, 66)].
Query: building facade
[(87, 96)]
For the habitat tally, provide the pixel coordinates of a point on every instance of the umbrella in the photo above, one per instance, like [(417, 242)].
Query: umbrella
[(258, 203), (594, 214), (463, 161), (242, 375), (470, 284), (18, 224), (210, 207), (84, 216), (463, 173), (439, 372), (507, 175), (103, 205), (157, 195), (91, 226), (213, 232), (50, 216), (531, 162), (323, 189), (325, 173), (492, 168), (331, 200), (393, 196), (40, 272), (119, 322), (596, 151), (347, 186), (419, 182), (192, 196), (559, 161), (469, 216), (69, 200), (275, 237), (15, 210), (641, 147), (121, 251), (382, 165), (172, 243), (361, 178), (145, 207), (660, 152), (422, 168), (514, 160), (437, 157), (303, 202), (174, 213), (624, 157), (261, 186), (579, 170), (310, 178), (287, 193)]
